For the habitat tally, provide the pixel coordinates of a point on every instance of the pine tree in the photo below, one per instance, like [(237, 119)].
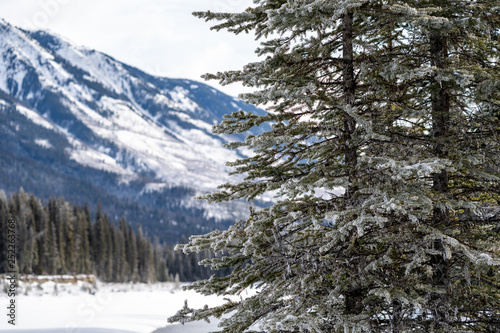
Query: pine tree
[(82, 241), (383, 155), (69, 233), (107, 261), (52, 259), (24, 233), (132, 255), (98, 245), (120, 266), (150, 262), (57, 218), (4, 217), (141, 265), (40, 225)]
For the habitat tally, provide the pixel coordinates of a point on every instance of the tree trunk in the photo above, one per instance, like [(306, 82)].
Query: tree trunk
[(440, 126), (354, 296), (351, 157), (397, 316)]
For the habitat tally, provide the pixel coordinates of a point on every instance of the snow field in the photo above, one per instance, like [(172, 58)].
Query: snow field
[(111, 308)]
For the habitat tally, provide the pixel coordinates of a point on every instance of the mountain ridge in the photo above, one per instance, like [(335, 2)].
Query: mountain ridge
[(76, 117)]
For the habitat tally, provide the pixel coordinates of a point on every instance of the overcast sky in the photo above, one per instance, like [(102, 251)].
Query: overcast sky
[(160, 37)]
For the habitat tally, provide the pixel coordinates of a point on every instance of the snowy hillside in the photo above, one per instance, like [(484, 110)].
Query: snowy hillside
[(76, 118), (115, 117)]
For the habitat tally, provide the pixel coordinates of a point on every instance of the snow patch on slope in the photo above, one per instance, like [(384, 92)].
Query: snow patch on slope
[(34, 117), (154, 187), (180, 96), (43, 143), (93, 158), (30, 54)]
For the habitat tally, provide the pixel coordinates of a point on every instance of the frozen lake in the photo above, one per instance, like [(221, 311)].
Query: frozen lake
[(114, 308), (63, 330), (188, 328)]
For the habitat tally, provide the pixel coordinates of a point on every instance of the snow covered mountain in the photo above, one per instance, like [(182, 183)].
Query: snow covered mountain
[(78, 123)]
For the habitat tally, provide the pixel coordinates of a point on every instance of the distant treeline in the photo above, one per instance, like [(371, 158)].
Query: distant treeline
[(60, 238)]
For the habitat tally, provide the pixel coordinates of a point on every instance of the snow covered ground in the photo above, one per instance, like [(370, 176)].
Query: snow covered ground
[(110, 308)]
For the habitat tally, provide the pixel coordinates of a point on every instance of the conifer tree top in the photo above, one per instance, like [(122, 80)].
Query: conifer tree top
[(383, 155)]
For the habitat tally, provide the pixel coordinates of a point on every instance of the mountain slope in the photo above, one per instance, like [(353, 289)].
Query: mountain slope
[(78, 123)]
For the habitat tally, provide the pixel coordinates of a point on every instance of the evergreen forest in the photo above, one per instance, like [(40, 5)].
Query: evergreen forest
[(61, 238)]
